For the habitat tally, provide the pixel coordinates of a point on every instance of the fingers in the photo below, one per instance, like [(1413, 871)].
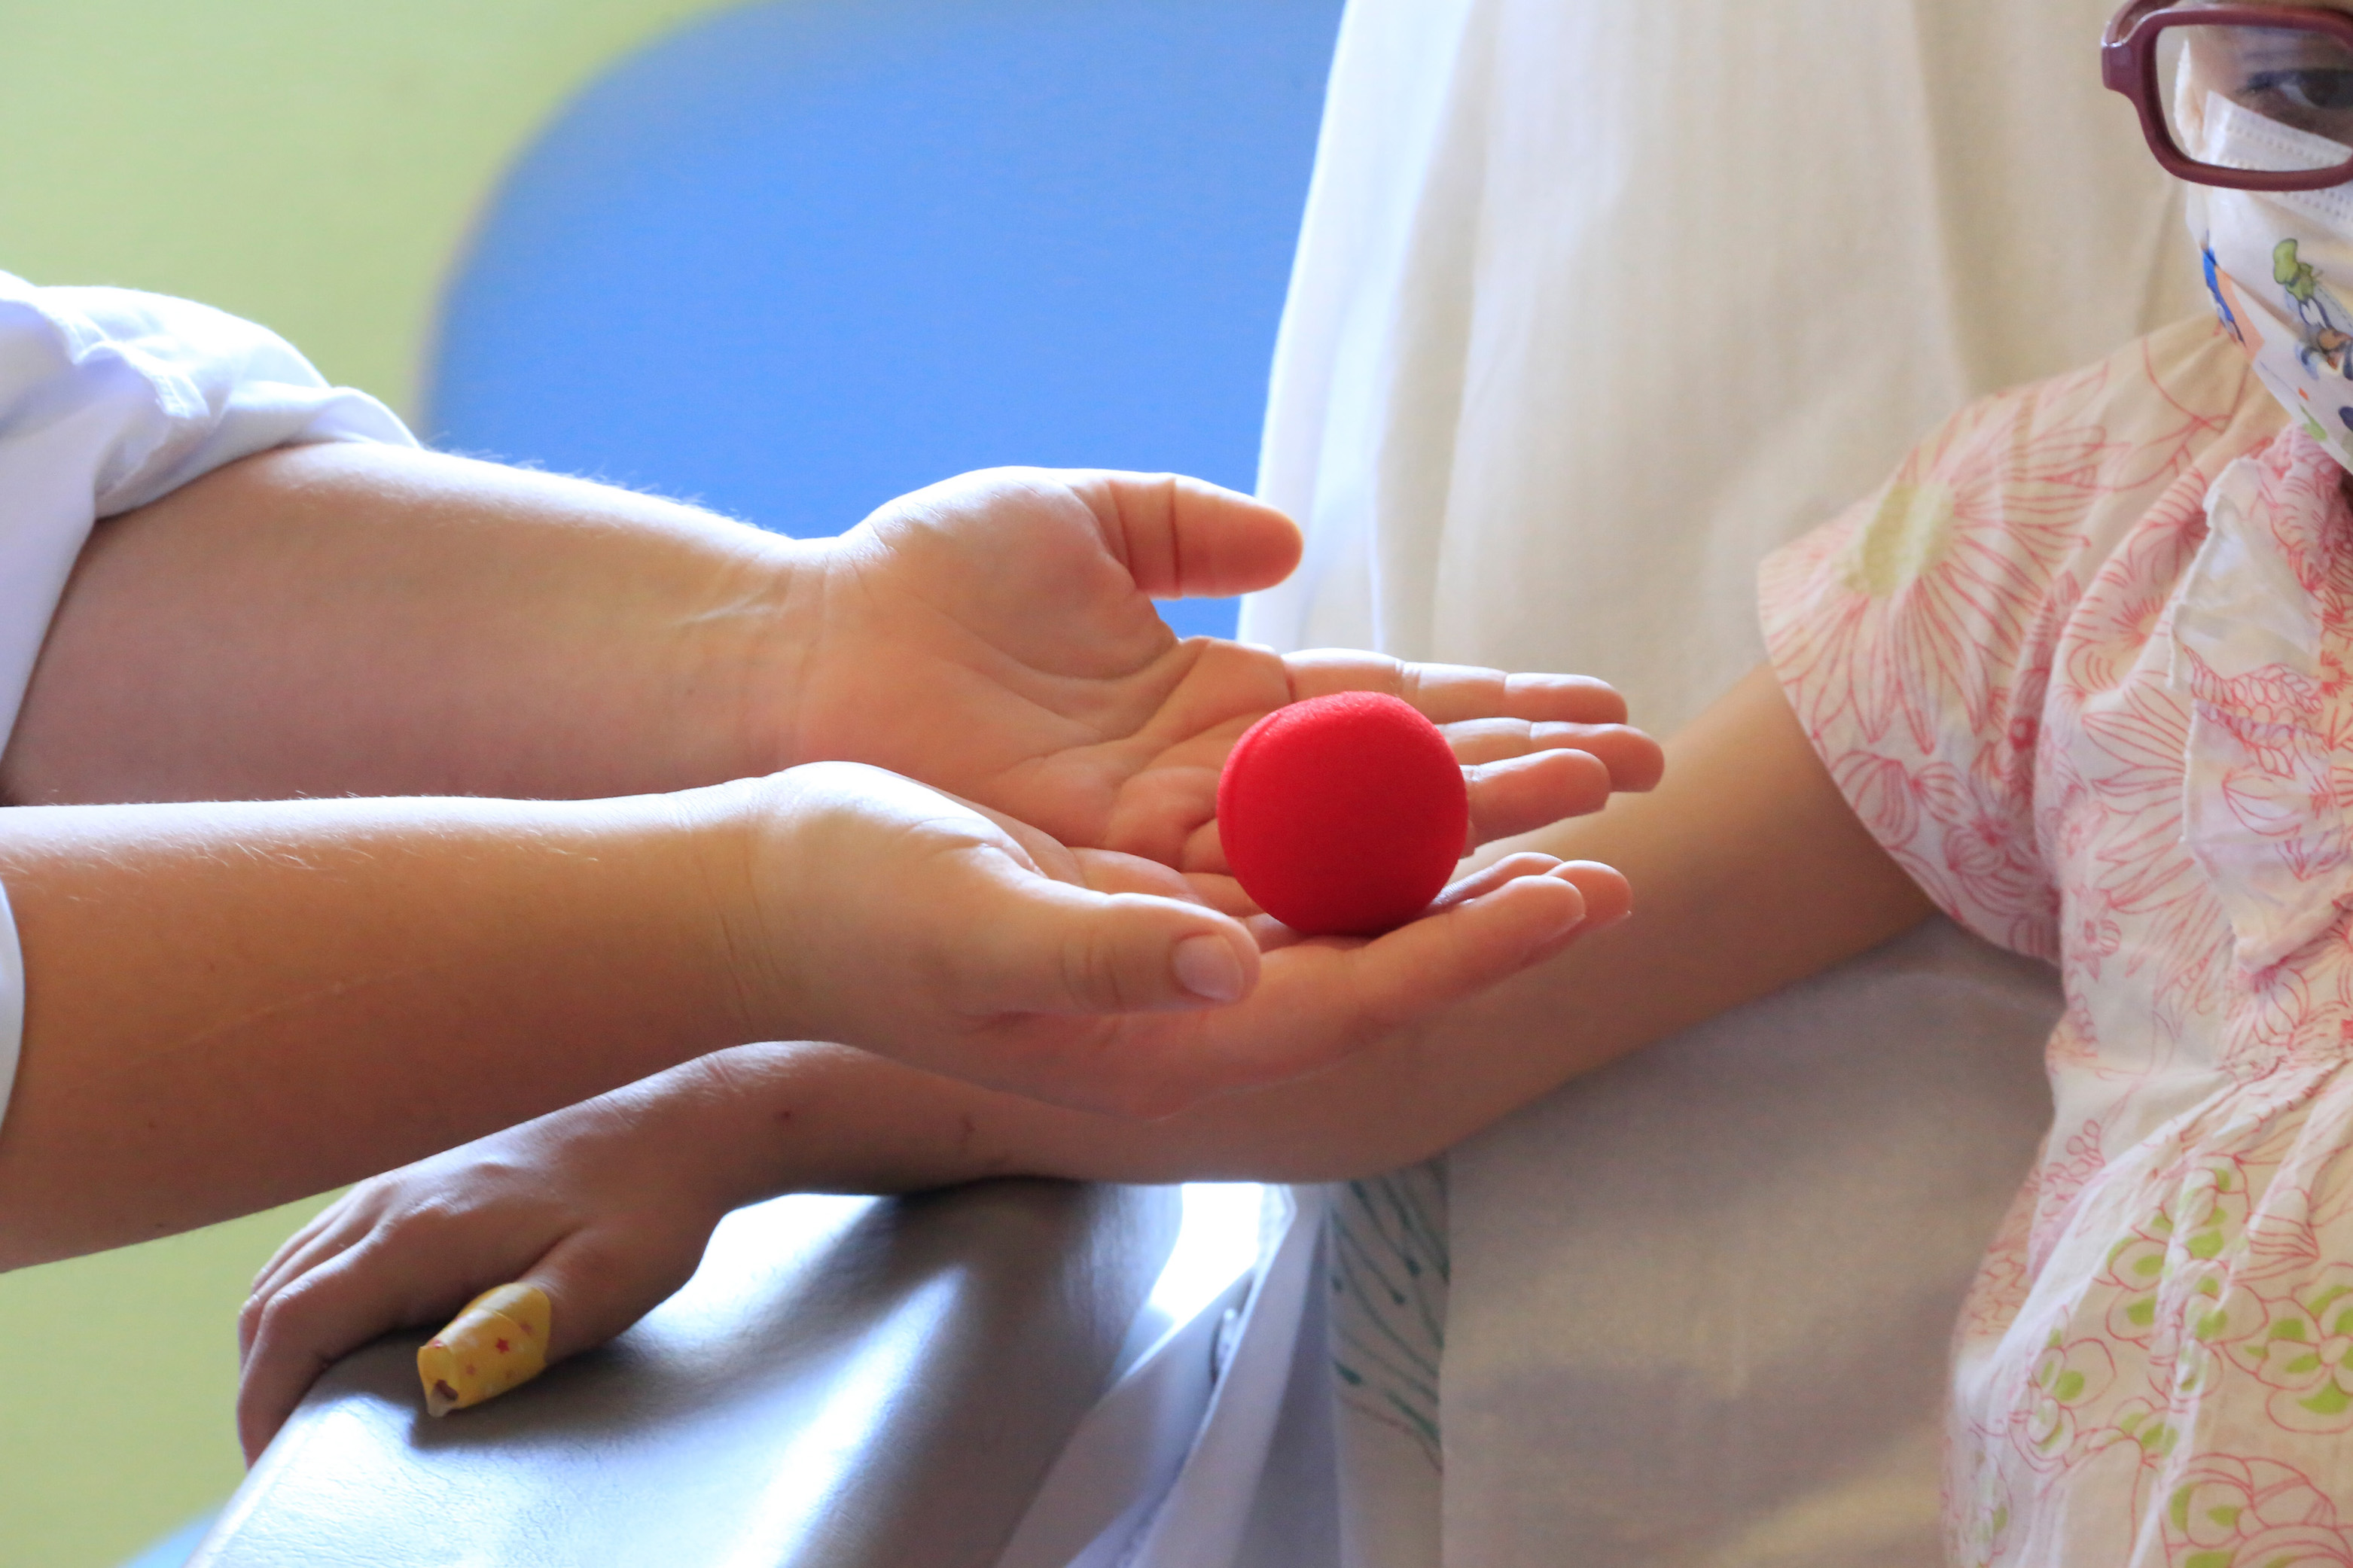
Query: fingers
[(1449, 693), (601, 1279), (1317, 1000), (589, 1288), (1491, 718), (1524, 794), (1323, 999), (498, 1341), (1109, 872), (330, 1233), (1054, 949), (300, 1238), (1519, 776), (1182, 537), (592, 1284), (308, 1321), (1500, 921), (1634, 761), (1607, 895)]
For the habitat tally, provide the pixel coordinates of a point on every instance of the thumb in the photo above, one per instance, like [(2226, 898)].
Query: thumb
[(586, 1290), (1060, 948), (1183, 537)]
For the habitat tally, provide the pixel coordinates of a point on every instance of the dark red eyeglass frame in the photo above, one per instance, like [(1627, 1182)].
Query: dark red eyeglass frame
[(2128, 65)]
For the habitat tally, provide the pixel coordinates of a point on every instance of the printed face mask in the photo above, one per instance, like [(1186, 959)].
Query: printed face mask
[(2276, 263)]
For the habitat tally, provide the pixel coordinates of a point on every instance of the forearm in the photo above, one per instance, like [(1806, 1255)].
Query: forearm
[(803, 1116), (352, 619), (212, 989)]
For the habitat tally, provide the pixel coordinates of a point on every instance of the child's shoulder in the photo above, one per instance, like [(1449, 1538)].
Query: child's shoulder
[(2038, 482), (2050, 478), (2182, 398), (1915, 635)]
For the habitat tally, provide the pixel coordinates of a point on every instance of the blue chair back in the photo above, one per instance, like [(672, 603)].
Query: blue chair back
[(799, 257)]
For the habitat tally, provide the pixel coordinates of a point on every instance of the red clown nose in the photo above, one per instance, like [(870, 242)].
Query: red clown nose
[(1343, 815)]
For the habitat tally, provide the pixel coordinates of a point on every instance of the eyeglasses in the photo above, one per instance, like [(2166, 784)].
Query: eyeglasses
[(2253, 97)]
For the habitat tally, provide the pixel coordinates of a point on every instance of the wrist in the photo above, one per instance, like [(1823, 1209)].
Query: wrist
[(684, 1128), (759, 653), (742, 1126), (731, 830), (807, 1117)]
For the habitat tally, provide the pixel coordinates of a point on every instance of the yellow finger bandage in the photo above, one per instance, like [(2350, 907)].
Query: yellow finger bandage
[(499, 1342)]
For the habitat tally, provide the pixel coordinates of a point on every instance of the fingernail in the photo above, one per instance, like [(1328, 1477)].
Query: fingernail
[(1207, 967), (499, 1342)]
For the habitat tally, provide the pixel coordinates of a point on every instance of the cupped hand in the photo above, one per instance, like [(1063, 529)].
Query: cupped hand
[(885, 915), (994, 635)]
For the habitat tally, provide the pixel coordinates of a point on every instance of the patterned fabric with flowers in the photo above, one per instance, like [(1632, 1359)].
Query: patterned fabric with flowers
[(2081, 667)]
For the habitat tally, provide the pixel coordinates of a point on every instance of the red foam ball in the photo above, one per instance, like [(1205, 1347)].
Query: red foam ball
[(1343, 815)]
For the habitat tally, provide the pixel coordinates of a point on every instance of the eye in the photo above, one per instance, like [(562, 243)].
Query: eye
[(2320, 91)]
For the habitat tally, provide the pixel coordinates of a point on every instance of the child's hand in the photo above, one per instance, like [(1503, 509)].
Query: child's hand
[(994, 635), (881, 915), (605, 1206)]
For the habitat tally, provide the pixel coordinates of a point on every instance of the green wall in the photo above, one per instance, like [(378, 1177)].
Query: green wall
[(314, 164)]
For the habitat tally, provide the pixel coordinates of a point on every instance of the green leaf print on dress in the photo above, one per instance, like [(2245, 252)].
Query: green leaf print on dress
[(1390, 1272)]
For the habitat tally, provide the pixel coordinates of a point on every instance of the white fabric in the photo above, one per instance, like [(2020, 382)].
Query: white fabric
[(1701, 1301), (1124, 1458), (109, 399), (1596, 301), (1257, 1487), (1290, 1470), (2243, 620)]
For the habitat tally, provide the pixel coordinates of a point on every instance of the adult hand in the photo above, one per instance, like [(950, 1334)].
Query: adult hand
[(871, 910), (993, 636)]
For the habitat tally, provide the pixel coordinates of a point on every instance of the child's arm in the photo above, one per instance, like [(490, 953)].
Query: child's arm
[(1751, 873), (228, 1005), (352, 619)]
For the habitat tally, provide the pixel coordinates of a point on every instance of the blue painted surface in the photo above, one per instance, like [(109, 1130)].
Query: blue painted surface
[(801, 257)]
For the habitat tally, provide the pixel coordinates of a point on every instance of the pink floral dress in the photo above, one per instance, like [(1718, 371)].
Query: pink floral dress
[(2081, 666)]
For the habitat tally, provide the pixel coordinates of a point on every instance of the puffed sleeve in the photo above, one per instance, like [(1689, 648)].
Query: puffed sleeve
[(1913, 636), (110, 398), (1916, 635)]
